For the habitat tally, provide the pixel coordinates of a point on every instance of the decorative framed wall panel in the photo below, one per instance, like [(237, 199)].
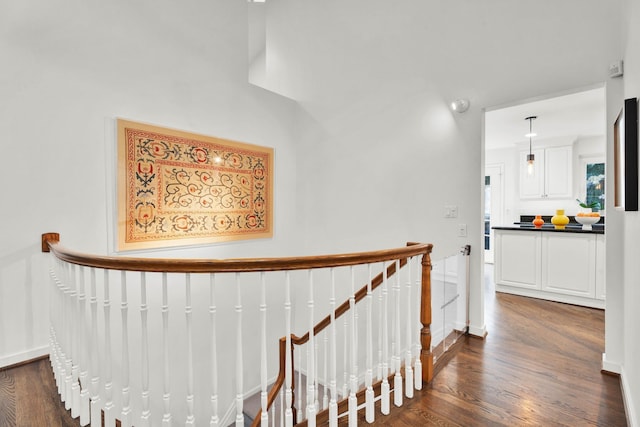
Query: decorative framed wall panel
[(177, 188)]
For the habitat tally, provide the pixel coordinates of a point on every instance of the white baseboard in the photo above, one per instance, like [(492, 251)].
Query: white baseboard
[(614, 368), (632, 420), (16, 358), (480, 332)]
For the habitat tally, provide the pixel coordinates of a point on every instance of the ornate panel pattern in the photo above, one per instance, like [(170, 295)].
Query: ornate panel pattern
[(177, 188)]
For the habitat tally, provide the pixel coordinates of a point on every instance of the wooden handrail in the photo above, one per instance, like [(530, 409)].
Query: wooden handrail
[(50, 243), (425, 312)]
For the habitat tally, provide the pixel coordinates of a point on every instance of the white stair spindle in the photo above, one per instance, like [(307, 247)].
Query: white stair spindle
[(214, 421), (70, 339), (239, 356), (84, 345), (96, 419), (166, 377), (333, 383), (417, 371), (288, 414), (264, 416), (76, 343), (369, 396), (145, 416), (397, 379), (188, 310), (301, 413), (408, 370), (109, 408), (353, 378), (64, 351), (380, 320), (345, 357), (125, 415), (385, 387), (325, 389), (311, 364)]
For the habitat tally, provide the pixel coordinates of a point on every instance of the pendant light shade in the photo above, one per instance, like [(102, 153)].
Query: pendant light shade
[(530, 157)]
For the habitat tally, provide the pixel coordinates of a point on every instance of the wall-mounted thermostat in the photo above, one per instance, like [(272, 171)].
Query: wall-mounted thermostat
[(615, 69)]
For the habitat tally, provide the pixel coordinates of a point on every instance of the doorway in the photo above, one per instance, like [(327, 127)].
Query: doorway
[(493, 206)]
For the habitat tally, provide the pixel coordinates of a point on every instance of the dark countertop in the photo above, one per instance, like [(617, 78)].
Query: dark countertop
[(570, 228), (573, 226)]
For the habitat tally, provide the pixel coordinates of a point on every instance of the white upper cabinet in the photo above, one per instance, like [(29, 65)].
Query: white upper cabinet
[(552, 173)]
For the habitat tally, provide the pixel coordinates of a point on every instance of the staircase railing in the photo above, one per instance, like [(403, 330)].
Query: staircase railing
[(153, 370)]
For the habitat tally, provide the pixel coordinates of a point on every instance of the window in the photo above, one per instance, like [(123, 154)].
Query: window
[(595, 176)]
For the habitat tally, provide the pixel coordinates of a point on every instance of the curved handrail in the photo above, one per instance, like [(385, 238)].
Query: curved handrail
[(50, 243)]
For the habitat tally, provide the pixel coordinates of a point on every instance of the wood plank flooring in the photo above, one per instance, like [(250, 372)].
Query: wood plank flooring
[(539, 366), (28, 397)]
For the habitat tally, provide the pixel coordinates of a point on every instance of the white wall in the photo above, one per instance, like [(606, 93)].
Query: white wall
[(381, 154), (70, 68), (626, 247)]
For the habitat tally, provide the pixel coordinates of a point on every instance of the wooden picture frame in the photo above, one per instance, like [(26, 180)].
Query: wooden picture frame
[(625, 143), (177, 188)]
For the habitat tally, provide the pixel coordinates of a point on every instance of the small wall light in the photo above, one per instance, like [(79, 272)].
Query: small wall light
[(460, 105)]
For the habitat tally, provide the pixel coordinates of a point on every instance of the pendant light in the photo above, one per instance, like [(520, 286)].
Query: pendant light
[(530, 157)]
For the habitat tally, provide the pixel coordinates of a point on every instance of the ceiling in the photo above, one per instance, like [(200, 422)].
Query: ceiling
[(580, 114)]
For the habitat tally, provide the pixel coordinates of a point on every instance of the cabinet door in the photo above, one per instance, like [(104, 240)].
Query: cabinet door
[(568, 264), (517, 261), (532, 185), (600, 265), (558, 163)]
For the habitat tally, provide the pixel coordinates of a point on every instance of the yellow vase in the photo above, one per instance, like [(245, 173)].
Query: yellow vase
[(560, 220)]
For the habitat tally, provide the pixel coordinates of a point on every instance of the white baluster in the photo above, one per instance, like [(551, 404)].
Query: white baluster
[(74, 350), (84, 350), (417, 347), (125, 415), (316, 395), (145, 416), (325, 389), (385, 387), (397, 379), (239, 356), (380, 322), (288, 414), (109, 410), (369, 396), (301, 413), (353, 378), (166, 377), (345, 357), (215, 421), (408, 370), (333, 383), (311, 377), (96, 418), (264, 417), (56, 327), (188, 309)]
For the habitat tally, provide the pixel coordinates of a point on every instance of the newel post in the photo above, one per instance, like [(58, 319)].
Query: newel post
[(49, 237), (426, 357)]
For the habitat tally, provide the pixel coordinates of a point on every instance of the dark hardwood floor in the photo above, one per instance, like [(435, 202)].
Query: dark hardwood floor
[(28, 397), (539, 366)]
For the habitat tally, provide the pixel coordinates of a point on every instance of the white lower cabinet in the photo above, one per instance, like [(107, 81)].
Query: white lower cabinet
[(564, 267)]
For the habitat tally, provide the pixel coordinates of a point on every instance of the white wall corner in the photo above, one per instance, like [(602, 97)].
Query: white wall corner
[(632, 416), (478, 331), (609, 366)]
